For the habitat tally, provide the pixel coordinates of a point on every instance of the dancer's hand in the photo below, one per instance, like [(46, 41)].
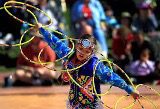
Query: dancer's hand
[(35, 30), (37, 26), (135, 95)]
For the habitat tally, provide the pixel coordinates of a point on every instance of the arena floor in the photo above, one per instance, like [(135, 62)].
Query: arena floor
[(55, 98)]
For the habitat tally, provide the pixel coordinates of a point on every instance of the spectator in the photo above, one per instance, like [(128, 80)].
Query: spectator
[(145, 20), (27, 16), (152, 16), (29, 73), (143, 68), (110, 19), (157, 68), (86, 29), (121, 40), (7, 39), (43, 5), (141, 43), (126, 20), (56, 9), (121, 48), (91, 12), (156, 45)]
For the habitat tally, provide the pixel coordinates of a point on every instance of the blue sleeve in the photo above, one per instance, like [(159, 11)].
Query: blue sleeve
[(55, 43), (108, 76)]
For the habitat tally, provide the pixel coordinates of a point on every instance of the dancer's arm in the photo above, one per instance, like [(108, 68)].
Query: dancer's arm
[(54, 42), (108, 76)]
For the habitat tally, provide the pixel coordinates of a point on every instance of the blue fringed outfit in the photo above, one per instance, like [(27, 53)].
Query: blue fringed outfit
[(83, 98)]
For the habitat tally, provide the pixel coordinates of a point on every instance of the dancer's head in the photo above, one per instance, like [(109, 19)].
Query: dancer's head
[(85, 47)]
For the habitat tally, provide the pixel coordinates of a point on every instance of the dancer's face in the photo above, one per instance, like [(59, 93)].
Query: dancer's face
[(83, 53)]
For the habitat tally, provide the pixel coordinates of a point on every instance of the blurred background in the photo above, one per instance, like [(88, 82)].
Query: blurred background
[(129, 27), (128, 33)]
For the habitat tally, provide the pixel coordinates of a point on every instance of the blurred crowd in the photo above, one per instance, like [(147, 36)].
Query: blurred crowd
[(131, 40), (10, 34), (134, 38), (135, 42)]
